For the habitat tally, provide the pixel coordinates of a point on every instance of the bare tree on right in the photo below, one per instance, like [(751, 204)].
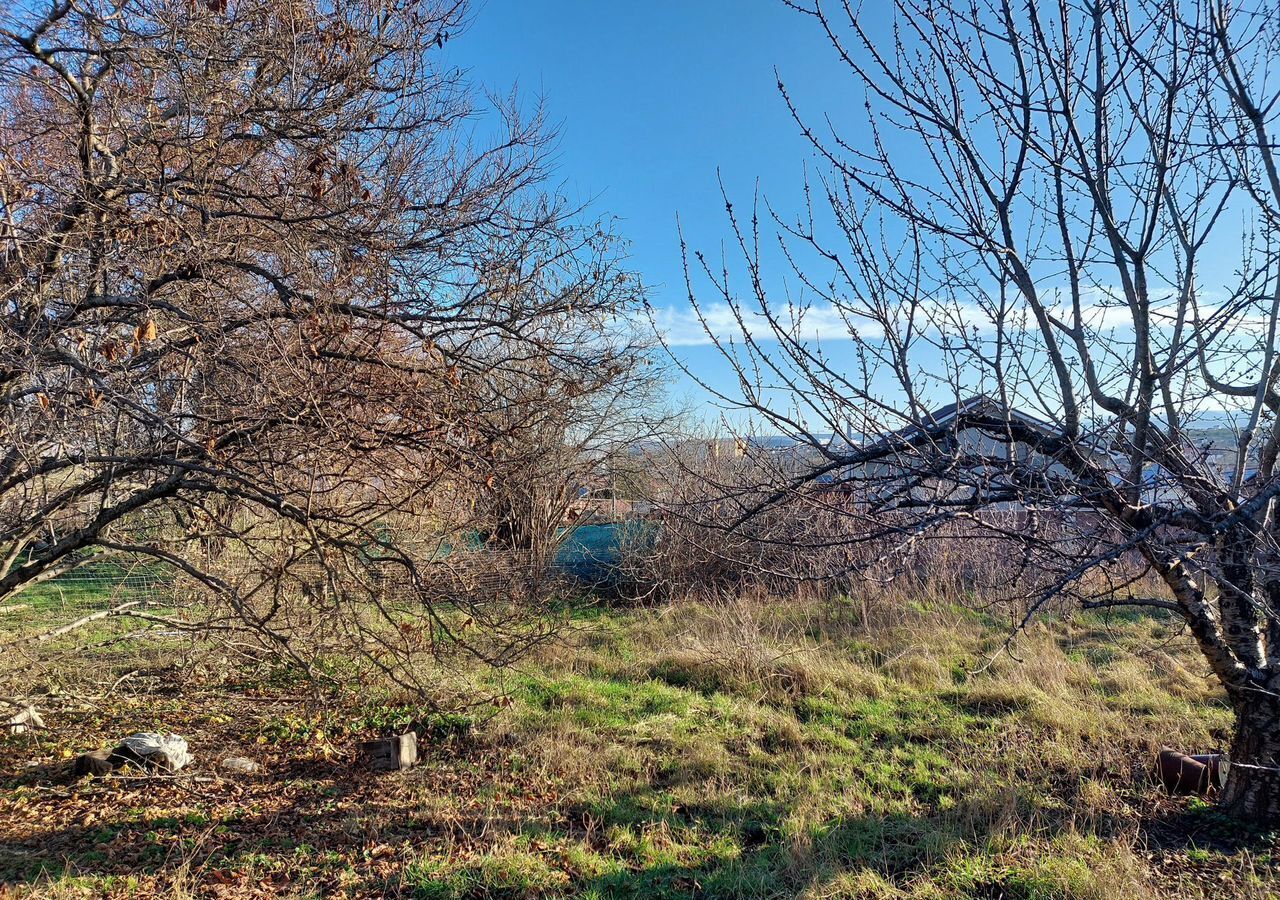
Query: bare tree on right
[(1034, 300)]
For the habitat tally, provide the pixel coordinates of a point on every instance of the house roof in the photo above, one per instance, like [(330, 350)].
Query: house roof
[(939, 421)]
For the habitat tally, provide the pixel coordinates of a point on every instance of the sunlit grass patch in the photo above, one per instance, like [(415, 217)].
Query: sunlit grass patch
[(675, 753)]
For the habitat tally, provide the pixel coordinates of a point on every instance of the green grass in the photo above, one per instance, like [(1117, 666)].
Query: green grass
[(97, 585), (754, 751), (779, 765)]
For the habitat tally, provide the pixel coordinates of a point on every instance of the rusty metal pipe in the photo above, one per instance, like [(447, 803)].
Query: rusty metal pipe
[(1183, 774)]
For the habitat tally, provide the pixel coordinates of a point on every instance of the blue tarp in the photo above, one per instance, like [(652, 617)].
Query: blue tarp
[(594, 552)]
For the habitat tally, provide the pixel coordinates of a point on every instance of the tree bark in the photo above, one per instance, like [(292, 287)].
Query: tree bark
[(1252, 791)]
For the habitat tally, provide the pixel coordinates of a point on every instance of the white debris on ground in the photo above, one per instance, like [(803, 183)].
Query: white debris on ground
[(169, 751), (27, 720), (240, 765)]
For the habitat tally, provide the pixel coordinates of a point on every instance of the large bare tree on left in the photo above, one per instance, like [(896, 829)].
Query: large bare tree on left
[(263, 271)]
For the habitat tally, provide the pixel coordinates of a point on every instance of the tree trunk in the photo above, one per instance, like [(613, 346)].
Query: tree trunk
[(1252, 792)]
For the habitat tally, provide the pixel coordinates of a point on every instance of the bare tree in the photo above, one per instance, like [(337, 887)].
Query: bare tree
[(555, 440), (697, 483), (264, 277), (1050, 259)]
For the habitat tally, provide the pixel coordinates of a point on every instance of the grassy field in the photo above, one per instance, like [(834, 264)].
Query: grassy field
[(750, 750)]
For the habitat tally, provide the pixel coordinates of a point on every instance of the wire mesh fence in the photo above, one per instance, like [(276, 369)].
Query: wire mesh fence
[(101, 585), (588, 556)]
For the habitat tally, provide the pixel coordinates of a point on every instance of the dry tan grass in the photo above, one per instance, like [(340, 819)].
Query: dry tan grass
[(820, 749)]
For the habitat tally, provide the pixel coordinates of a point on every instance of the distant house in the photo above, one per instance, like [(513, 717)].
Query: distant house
[(940, 425), (969, 431), (602, 504), (958, 451)]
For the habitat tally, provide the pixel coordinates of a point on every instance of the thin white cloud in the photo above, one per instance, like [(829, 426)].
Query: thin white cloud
[(682, 327), (1102, 311)]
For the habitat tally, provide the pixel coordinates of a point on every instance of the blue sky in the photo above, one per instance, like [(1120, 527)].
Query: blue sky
[(651, 99)]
